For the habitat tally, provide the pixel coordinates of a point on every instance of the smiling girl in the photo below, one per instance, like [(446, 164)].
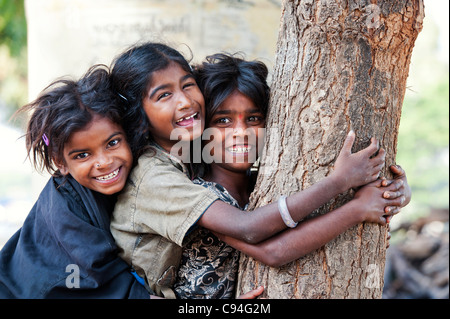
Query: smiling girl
[(64, 248), (161, 205)]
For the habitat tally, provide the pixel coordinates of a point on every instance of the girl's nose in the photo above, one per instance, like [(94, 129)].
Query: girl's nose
[(239, 131), (103, 161), (240, 126), (184, 101)]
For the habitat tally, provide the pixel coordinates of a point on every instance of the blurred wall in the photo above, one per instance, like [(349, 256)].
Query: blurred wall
[(65, 37)]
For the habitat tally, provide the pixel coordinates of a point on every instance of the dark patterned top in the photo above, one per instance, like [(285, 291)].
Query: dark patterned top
[(208, 266)]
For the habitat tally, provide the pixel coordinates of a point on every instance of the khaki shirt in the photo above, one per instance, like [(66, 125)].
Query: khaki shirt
[(153, 214)]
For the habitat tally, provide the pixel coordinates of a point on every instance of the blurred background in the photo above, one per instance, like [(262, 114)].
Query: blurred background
[(41, 40)]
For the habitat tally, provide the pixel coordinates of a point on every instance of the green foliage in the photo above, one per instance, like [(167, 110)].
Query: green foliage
[(13, 57), (13, 81), (424, 144), (13, 26)]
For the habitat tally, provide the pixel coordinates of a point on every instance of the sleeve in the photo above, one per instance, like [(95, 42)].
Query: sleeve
[(168, 203)]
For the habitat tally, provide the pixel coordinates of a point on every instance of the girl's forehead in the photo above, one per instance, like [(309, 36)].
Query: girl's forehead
[(239, 103), (168, 72), (96, 128)]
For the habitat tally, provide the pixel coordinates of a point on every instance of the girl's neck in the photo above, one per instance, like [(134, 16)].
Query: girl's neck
[(236, 183)]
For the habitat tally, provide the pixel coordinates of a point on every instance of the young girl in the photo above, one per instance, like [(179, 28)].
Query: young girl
[(236, 96), (64, 248), (161, 205)]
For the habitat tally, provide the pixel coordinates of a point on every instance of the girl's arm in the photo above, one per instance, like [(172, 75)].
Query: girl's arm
[(351, 170), (266, 221), (368, 205)]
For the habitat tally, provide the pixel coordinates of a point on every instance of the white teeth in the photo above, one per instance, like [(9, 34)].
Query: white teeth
[(239, 149), (186, 118), (109, 176)]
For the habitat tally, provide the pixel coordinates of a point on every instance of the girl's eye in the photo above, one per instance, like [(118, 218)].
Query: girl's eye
[(223, 120), (189, 84), (163, 95), (81, 155), (256, 119), (114, 142)]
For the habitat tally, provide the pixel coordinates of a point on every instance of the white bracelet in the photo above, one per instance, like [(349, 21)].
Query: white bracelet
[(284, 212)]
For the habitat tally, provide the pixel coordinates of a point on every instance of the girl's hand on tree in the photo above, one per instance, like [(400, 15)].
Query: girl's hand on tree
[(369, 201), (361, 168), (253, 294), (402, 190)]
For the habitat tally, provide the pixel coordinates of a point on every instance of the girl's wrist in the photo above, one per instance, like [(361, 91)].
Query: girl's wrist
[(353, 212), (338, 183)]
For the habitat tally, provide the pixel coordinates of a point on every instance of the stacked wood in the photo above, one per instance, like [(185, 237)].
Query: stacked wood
[(418, 266)]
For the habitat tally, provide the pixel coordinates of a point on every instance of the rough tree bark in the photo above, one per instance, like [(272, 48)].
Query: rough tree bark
[(340, 64)]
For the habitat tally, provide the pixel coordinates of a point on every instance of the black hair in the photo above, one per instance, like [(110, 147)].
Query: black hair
[(222, 74), (131, 75), (64, 107)]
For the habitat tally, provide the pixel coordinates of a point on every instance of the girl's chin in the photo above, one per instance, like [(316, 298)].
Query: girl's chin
[(113, 189), (236, 167)]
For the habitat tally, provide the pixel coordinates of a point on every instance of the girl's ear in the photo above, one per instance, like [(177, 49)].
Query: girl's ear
[(63, 169)]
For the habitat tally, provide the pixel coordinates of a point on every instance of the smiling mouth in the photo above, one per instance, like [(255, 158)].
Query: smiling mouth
[(240, 149), (108, 177), (185, 121)]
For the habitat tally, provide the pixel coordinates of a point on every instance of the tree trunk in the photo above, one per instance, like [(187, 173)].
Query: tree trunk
[(340, 65)]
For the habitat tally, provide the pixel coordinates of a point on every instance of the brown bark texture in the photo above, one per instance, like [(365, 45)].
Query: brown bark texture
[(340, 65)]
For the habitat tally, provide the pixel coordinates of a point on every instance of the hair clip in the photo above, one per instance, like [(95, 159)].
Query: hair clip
[(45, 138), (123, 97)]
